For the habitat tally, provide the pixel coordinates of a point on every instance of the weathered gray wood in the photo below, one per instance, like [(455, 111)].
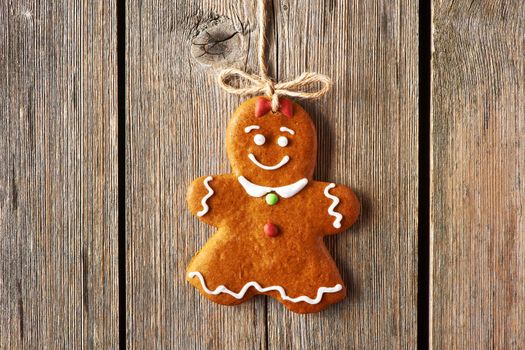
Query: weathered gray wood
[(478, 170), (58, 175), (176, 121), (368, 133)]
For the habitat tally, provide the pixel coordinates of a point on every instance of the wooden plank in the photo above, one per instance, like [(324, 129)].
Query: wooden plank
[(176, 121), (175, 129), (368, 133), (478, 167), (58, 175)]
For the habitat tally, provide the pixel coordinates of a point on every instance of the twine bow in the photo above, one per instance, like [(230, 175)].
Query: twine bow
[(263, 84)]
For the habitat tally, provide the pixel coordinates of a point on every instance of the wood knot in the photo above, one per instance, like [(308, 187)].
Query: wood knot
[(217, 42)]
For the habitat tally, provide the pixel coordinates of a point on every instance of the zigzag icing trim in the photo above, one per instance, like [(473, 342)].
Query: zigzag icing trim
[(205, 207), (222, 289), (335, 202)]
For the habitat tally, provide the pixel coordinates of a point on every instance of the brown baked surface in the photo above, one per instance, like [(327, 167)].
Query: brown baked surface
[(240, 252)]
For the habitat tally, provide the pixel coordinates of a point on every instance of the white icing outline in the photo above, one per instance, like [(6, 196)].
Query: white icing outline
[(285, 129), (222, 289), (282, 143), (251, 127), (268, 167), (331, 212), (287, 191), (210, 193)]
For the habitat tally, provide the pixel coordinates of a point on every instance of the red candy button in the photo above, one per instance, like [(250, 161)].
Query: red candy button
[(271, 230)]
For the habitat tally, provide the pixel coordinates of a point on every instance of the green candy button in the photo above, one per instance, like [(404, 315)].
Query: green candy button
[(272, 199)]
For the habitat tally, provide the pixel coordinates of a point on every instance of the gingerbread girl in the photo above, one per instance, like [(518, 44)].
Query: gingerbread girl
[(271, 216)]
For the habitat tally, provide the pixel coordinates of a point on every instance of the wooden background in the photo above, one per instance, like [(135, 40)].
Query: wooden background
[(437, 257)]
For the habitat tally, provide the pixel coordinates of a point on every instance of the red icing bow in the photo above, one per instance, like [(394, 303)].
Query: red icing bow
[(263, 106)]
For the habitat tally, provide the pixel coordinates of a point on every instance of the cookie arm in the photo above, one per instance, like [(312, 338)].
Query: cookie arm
[(203, 195), (340, 207)]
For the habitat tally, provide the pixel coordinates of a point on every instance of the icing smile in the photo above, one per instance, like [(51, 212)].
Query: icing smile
[(268, 167)]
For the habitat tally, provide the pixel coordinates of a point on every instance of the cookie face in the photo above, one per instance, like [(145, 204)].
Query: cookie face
[(270, 215), (271, 149)]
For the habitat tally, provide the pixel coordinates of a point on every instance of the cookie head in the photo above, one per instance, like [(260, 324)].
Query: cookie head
[(271, 148)]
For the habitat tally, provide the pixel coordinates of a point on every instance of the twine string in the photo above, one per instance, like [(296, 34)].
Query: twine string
[(263, 84)]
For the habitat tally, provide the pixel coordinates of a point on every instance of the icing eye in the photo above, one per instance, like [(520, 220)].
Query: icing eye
[(259, 139), (282, 141)]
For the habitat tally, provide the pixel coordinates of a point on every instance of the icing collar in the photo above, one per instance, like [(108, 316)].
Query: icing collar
[(283, 191)]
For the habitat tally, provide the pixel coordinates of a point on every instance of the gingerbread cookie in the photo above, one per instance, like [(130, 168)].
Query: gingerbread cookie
[(271, 216)]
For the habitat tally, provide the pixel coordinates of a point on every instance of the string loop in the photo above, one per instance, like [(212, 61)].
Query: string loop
[(262, 84)]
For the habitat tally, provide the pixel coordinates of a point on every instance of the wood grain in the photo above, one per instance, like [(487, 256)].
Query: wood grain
[(478, 170), (175, 125), (58, 175), (368, 133)]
